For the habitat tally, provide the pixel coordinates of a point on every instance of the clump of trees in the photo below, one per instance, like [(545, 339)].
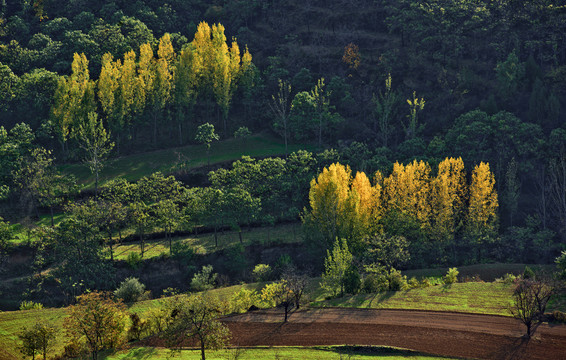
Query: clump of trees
[(433, 212)]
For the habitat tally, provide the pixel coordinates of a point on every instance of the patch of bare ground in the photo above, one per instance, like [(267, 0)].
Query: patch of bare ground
[(438, 333)]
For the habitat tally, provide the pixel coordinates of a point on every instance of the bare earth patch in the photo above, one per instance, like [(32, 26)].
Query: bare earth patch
[(438, 333)]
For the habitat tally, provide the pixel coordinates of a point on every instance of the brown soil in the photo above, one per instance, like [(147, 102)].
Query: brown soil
[(438, 333)]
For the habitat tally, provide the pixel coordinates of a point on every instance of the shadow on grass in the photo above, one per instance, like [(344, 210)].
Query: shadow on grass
[(140, 354), (381, 351)]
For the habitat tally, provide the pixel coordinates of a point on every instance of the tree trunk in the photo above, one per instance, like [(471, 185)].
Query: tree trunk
[(111, 246), (96, 185), (202, 355), (215, 237), (240, 235), (180, 134), (51, 210)]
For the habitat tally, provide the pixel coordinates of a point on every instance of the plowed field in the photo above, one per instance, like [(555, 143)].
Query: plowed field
[(439, 333)]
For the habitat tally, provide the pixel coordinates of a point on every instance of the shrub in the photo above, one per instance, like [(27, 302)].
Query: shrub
[(262, 272), (30, 305), (137, 328), (528, 273), (352, 281), (397, 281), (413, 283), (204, 280), (130, 290), (374, 283), (243, 300), (451, 276), (507, 279), (134, 260), (559, 316)]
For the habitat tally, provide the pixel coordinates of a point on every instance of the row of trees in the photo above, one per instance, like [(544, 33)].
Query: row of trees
[(432, 210), (151, 88)]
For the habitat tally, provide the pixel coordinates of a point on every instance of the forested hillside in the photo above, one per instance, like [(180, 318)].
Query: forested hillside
[(406, 92)]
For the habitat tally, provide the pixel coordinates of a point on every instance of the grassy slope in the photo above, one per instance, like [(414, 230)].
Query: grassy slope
[(279, 234), (472, 297), (136, 166), (485, 298), (288, 353)]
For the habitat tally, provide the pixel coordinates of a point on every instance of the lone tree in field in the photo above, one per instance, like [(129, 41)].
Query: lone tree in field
[(529, 302), (195, 317), (98, 321), (206, 135), (279, 294)]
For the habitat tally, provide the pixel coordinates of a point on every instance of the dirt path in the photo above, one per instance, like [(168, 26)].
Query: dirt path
[(440, 333)]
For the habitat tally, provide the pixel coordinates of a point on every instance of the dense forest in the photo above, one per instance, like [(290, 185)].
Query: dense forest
[(455, 110)]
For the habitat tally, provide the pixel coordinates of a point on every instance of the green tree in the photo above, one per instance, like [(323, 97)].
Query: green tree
[(97, 320), (278, 294), (95, 141), (385, 111), (206, 135), (415, 107), (38, 339), (280, 106), (335, 266), (195, 317)]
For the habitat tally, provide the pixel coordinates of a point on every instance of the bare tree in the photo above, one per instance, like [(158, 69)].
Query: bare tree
[(529, 301)]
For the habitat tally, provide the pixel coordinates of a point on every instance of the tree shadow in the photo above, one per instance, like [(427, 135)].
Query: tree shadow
[(140, 353)]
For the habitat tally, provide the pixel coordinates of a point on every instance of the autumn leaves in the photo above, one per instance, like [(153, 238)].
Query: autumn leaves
[(152, 88), (443, 207)]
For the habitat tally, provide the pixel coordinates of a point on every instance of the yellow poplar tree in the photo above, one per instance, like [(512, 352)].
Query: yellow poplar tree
[(408, 191), (369, 208), (186, 84), (449, 194), (74, 98), (482, 220), (163, 81), (328, 195)]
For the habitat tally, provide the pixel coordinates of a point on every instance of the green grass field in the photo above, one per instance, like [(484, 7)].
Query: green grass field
[(282, 353), (136, 166), (472, 297)]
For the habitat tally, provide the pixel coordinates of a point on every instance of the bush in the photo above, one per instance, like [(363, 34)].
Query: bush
[(352, 281), (204, 280), (559, 316), (137, 328), (134, 260), (507, 279), (243, 300), (130, 290), (30, 305), (262, 272), (397, 281), (528, 273), (451, 276), (375, 283), (413, 283)]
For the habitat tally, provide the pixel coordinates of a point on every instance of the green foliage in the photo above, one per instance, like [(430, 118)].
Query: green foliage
[(561, 265), (397, 281), (130, 290), (528, 273), (38, 339), (134, 260), (262, 272), (30, 305), (352, 280), (195, 317), (243, 299), (451, 276), (97, 321), (335, 266), (204, 279)]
